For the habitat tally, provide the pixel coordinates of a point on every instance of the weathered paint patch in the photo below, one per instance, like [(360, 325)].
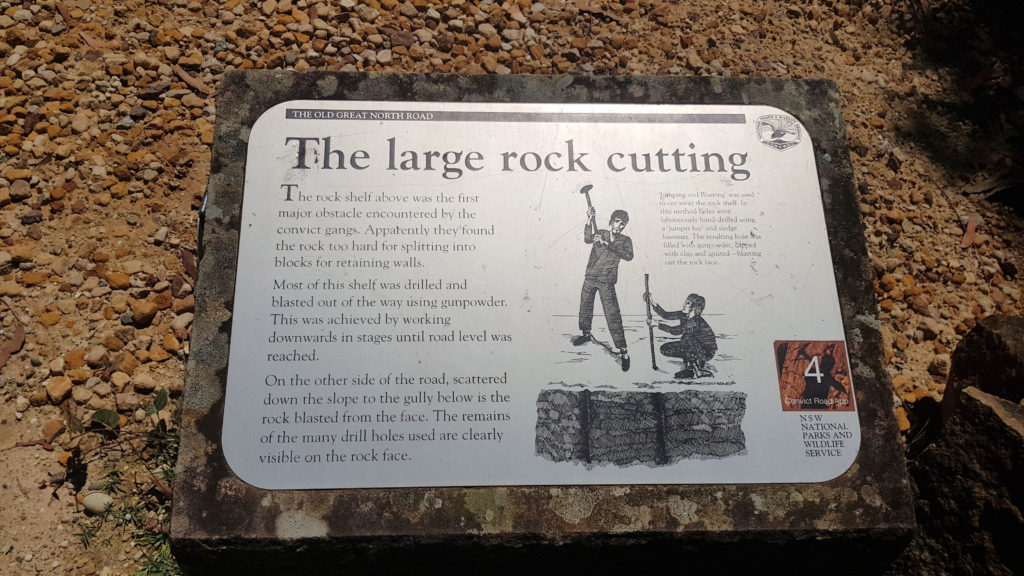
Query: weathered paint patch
[(682, 510), (491, 508), (293, 524), (573, 504)]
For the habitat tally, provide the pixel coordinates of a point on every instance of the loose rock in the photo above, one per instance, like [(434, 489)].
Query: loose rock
[(96, 503), (58, 388)]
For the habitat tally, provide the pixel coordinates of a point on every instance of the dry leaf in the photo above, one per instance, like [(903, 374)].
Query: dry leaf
[(191, 80), (64, 13), (994, 185), (75, 423), (13, 345), (43, 443), (92, 42), (598, 11), (161, 486), (972, 225), (189, 262)]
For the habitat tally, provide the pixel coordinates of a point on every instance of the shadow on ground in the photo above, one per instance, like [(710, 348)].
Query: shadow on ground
[(976, 123)]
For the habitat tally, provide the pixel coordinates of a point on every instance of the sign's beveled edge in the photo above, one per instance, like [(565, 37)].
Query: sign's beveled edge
[(212, 504)]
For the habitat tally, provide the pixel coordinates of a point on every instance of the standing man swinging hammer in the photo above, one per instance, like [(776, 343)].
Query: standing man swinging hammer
[(609, 246)]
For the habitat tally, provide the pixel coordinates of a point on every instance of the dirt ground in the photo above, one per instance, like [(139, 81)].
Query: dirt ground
[(106, 117)]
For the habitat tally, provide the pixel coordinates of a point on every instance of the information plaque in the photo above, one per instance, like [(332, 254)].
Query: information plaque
[(469, 294)]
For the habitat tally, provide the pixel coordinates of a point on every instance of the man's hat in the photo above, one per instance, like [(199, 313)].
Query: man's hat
[(619, 215)]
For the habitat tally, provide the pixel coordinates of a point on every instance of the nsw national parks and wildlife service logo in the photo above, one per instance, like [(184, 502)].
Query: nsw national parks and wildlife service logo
[(778, 131)]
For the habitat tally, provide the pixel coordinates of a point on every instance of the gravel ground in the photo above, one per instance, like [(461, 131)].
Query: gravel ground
[(106, 117)]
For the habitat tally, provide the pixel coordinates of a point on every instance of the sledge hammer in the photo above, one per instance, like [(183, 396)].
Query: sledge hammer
[(586, 192)]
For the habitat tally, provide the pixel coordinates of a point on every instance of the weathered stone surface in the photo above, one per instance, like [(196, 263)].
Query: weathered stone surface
[(222, 524)]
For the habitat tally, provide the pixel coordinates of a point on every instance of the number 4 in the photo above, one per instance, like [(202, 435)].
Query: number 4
[(817, 370)]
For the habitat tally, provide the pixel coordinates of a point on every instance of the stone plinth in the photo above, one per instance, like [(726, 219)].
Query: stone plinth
[(850, 524)]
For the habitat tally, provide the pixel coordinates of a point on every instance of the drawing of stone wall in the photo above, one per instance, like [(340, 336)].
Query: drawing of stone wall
[(652, 428)]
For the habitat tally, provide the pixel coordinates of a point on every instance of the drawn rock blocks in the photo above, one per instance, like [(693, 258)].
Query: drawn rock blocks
[(224, 524), (626, 428)]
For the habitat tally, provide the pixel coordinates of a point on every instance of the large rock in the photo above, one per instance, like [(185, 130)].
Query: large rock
[(990, 358), (967, 461), (970, 493)]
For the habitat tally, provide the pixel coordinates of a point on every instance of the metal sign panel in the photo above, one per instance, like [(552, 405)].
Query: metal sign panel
[(455, 294)]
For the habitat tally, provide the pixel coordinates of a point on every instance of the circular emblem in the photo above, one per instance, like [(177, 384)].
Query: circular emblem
[(778, 131)]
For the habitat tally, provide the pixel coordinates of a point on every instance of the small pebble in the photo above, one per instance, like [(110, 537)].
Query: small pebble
[(96, 503)]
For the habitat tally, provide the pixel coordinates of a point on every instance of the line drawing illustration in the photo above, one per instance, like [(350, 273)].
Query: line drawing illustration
[(650, 325), (608, 247), (625, 428), (697, 343), (604, 420)]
